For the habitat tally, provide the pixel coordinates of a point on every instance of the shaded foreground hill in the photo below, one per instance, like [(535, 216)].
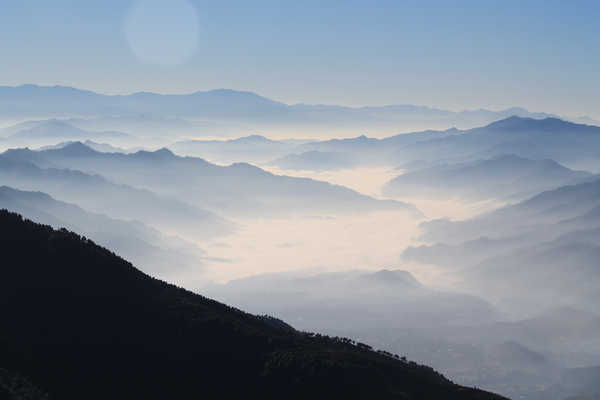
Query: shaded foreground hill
[(80, 322)]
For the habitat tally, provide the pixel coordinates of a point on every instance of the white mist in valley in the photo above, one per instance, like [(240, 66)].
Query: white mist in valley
[(326, 243)]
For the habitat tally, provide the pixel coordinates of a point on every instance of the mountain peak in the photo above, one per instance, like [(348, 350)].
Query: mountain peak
[(393, 277), (253, 139), (18, 152), (162, 153), (510, 122), (526, 123), (7, 191), (75, 149)]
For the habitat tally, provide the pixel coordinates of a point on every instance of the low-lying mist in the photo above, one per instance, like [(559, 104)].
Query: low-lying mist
[(329, 242), (431, 245)]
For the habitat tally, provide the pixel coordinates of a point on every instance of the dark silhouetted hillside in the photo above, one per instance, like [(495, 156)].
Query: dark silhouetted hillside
[(16, 387), (82, 323)]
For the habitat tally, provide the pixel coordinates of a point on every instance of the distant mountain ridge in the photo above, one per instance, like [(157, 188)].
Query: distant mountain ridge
[(23, 169), (575, 145), (542, 247), (315, 161), (230, 105), (507, 177), (239, 188), (100, 147), (246, 148), (47, 132)]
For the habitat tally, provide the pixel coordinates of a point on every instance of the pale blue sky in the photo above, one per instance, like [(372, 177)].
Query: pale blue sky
[(543, 55)]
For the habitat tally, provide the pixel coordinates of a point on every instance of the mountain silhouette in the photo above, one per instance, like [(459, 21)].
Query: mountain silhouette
[(567, 208), (19, 169), (48, 131), (80, 322), (101, 147), (550, 138), (253, 148), (505, 177), (314, 161), (237, 189), (144, 246), (549, 125), (224, 107), (384, 306), (545, 247)]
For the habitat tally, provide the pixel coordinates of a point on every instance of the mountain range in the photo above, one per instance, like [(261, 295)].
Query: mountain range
[(100, 147), (253, 148), (506, 177), (45, 132), (315, 161), (524, 254), (238, 189), (226, 106), (99, 195), (574, 145)]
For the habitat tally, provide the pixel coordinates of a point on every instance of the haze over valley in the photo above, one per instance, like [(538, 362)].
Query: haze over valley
[(415, 242), (345, 200)]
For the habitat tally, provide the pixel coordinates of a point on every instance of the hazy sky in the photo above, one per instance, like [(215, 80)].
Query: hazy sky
[(543, 55)]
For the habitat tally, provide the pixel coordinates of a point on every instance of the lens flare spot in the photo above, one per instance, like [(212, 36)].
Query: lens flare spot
[(161, 32)]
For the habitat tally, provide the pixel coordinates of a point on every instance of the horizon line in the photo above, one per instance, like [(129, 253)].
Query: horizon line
[(223, 89)]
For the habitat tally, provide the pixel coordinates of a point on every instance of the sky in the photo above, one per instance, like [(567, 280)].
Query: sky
[(542, 55)]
